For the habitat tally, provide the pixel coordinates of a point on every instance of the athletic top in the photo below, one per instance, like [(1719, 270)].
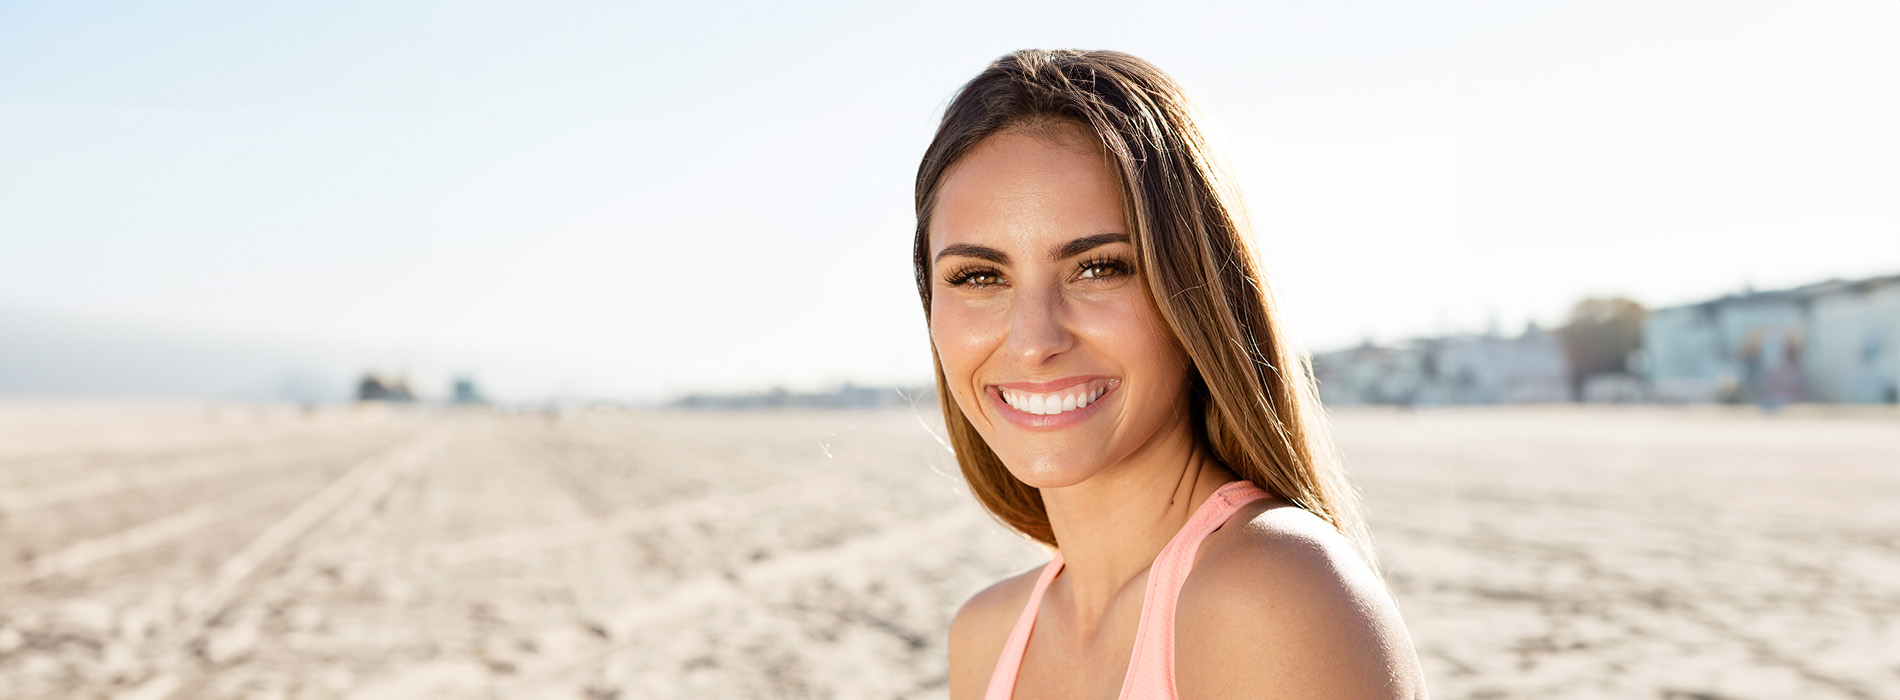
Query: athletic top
[(1150, 674)]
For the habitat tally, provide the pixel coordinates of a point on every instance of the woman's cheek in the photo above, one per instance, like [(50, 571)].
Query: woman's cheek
[(960, 335), (1121, 318), (1127, 329)]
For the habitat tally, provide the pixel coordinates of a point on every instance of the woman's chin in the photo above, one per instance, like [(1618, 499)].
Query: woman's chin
[(1052, 471)]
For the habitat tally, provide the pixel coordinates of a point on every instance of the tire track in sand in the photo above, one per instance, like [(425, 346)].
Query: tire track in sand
[(741, 586), (364, 483)]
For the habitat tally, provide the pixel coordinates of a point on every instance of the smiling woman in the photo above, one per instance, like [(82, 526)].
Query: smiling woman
[(1116, 386)]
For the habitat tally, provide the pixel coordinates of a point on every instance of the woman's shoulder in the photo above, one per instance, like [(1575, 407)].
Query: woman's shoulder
[(1279, 600), (981, 627)]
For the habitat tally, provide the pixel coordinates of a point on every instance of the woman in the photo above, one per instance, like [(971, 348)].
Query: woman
[(1116, 386)]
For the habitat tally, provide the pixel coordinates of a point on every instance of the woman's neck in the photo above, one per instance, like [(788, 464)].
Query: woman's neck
[(1112, 525)]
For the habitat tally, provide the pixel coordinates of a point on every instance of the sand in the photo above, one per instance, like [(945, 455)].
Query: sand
[(190, 551)]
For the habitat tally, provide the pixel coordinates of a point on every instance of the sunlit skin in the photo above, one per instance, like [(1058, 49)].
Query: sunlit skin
[(1011, 308)]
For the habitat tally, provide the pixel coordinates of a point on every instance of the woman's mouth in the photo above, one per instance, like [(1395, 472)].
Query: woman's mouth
[(1051, 404)]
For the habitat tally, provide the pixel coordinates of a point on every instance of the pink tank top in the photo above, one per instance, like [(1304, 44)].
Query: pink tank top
[(1150, 673)]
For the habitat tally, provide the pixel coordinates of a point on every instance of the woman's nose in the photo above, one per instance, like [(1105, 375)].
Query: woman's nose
[(1037, 331)]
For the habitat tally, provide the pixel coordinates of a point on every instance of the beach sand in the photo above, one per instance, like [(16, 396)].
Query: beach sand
[(193, 551)]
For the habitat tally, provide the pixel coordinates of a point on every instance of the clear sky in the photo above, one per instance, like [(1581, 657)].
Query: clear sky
[(630, 200)]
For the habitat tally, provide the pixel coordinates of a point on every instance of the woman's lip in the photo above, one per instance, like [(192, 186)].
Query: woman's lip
[(1048, 386)]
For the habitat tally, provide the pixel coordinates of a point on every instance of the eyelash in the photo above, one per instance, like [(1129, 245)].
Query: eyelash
[(963, 275), (1116, 267)]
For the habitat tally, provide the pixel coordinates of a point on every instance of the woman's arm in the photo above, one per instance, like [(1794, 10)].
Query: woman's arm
[(1282, 607)]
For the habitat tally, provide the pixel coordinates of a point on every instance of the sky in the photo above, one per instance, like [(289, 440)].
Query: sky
[(631, 201)]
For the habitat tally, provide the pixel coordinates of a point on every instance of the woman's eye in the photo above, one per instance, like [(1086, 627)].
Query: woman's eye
[(1102, 269), (975, 278)]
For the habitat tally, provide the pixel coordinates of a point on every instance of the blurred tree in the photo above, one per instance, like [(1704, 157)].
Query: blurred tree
[(375, 387), (1600, 336)]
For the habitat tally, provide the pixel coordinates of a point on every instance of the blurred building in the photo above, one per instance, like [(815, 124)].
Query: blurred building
[(1462, 369), (1853, 352), (1834, 341), (463, 391), (1370, 373)]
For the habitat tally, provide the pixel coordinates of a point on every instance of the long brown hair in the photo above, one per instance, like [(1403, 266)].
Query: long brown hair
[(1254, 399)]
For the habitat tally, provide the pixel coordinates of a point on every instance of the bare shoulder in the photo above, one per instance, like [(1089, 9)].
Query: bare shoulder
[(981, 627), (1280, 605)]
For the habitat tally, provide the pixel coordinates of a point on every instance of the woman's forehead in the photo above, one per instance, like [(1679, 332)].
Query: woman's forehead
[(1022, 189)]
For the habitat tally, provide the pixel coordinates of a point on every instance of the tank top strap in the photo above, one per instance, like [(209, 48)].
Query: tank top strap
[(1010, 663), (1151, 664)]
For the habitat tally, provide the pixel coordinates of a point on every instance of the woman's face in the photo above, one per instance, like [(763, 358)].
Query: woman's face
[(1047, 336)]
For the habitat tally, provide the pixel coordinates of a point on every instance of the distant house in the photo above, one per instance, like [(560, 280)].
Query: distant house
[(1833, 341), (1724, 349), (464, 391), (1461, 369), (1370, 374), (1488, 368), (1853, 348)]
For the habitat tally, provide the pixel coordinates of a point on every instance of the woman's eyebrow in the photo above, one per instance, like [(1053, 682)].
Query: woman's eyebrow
[(973, 251), (1067, 250), (1086, 244)]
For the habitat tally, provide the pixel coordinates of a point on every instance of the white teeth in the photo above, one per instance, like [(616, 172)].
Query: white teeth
[(1050, 404)]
